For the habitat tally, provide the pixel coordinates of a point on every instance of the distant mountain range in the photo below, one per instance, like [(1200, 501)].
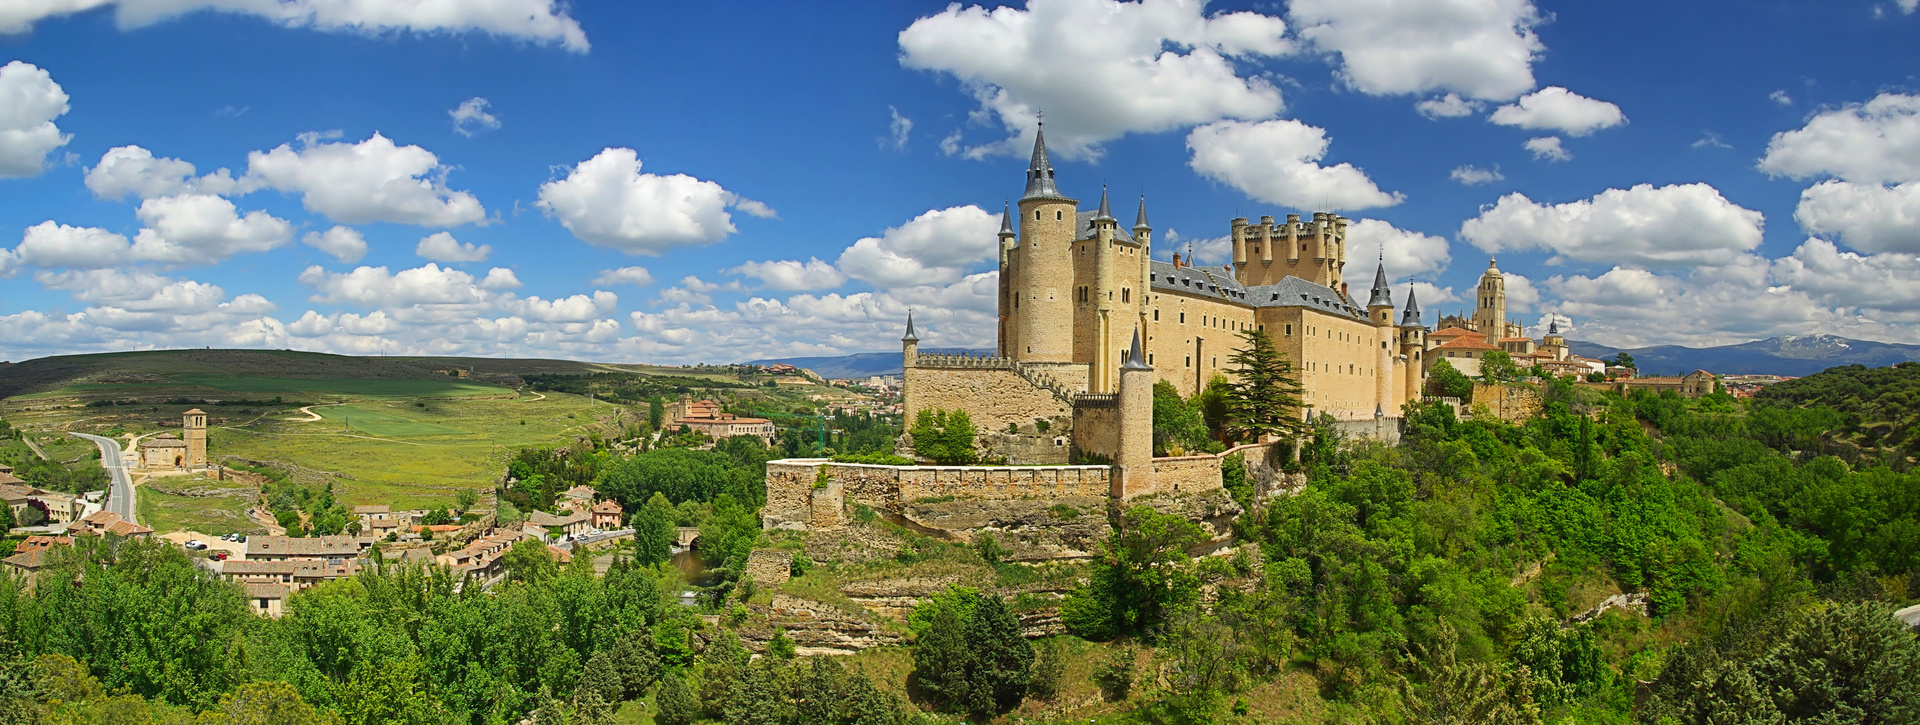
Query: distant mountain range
[(1793, 355), (859, 364)]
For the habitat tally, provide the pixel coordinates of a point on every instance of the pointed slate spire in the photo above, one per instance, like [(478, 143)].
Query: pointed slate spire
[(910, 336), (1134, 360), (1006, 220), (1411, 318), (1106, 212), (1382, 295), (1140, 221), (1040, 172)]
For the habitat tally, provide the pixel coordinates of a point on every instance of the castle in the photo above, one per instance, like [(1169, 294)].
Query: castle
[(1082, 303)]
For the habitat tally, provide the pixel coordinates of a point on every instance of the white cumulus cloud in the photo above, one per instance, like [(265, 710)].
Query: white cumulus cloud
[(471, 117), (789, 274), (359, 183), (1647, 227), (124, 170), (1480, 49), (1867, 217), (1475, 176), (1407, 253), (344, 243), (938, 247), (442, 247), (1447, 106), (606, 201), (1872, 143), (541, 21), (636, 276), (29, 103), (1558, 109), (1547, 148), (50, 244), (1275, 162), (1099, 69), (1877, 281), (203, 229)]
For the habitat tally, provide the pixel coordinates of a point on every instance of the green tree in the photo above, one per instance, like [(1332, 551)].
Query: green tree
[(600, 691), (1845, 663), (1497, 367), (1264, 400), (1002, 659), (1143, 574), (465, 498), (653, 531), (6, 519), (1177, 424), (656, 412), (1624, 360), (528, 561), (676, 702), (942, 656), (265, 703), (946, 437), (1445, 380)]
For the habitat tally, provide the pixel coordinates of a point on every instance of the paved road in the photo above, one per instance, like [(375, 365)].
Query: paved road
[(120, 494)]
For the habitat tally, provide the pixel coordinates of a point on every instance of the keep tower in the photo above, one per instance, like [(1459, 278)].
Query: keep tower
[(1041, 267)]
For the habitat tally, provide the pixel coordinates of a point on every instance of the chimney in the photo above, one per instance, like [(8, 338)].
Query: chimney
[(1343, 289), (1176, 260)]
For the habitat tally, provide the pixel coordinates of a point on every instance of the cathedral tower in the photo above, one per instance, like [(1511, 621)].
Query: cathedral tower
[(1490, 314), (1042, 262)]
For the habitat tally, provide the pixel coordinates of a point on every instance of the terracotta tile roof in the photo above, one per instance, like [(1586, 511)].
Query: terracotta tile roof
[(608, 506), (267, 590), (238, 567), (1452, 332), (1466, 343), (27, 559), (42, 542), (370, 509)]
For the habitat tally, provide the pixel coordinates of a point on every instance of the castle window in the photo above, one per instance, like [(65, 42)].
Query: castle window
[(1156, 315), (1289, 329), (1149, 358), (1189, 361), (1183, 318), (1126, 295), (1056, 216), (1036, 215)]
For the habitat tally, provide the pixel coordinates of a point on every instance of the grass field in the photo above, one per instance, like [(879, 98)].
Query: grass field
[(409, 455), (359, 388), (193, 503), (382, 423)]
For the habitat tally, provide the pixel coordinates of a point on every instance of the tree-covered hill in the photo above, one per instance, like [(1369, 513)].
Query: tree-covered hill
[(1877, 407)]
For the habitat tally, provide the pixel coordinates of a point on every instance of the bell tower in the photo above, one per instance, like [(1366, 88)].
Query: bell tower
[(193, 428), (1490, 312)]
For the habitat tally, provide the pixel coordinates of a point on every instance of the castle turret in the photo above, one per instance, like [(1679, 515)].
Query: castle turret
[(1143, 232), (1043, 289), (1413, 346), (1490, 315), (1133, 457), (1380, 313), (1006, 319), (909, 345)]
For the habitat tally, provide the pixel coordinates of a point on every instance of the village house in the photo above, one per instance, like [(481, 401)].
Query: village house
[(607, 515), (572, 523), (707, 417), (482, 557), (106, 523), (278, 548)]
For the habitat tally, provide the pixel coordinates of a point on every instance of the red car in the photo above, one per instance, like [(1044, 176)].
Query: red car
[(218, 556)]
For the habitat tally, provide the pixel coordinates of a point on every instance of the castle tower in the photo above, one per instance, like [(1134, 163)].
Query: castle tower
[(1043, 286), (1380, 312), (1143, 232), (193, 427), (1490, 314), (1006, 321), (1096, 311), (1413, 345), (909, 345), (1133, 457)]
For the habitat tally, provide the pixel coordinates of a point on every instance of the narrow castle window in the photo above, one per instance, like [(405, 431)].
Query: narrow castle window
[(1156, 315), (1056, 216)]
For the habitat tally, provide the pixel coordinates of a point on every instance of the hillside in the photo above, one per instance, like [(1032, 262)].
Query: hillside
[(1791, 355), (1881, 405)]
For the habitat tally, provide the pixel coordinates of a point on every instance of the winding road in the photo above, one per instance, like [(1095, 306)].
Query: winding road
[(120, 494)]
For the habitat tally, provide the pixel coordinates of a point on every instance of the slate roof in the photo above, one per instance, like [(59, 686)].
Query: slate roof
[(1083, 226), (1220, 284)]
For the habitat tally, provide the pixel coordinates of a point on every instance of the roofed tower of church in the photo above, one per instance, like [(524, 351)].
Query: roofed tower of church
[(1490, 311)]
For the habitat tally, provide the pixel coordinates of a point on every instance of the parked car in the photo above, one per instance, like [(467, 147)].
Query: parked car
[(196, 545), (240, 538), (218, 556)]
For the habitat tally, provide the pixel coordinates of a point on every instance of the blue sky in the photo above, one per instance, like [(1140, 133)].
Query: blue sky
[(727, 181)]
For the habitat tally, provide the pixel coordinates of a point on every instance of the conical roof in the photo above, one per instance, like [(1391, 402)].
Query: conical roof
[(1040, 171), (1140, 221), (1382, 294), (910, 336), (1106, 212), (1134, 360), (1006, 220), (1411, 318)]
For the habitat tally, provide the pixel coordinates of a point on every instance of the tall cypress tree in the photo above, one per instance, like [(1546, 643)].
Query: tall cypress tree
[(1264, 398), (942, 658), (1002, 659)]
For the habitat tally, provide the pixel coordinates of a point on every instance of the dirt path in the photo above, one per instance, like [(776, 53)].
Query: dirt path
[(543, 396), (36, 448), (311, 416)]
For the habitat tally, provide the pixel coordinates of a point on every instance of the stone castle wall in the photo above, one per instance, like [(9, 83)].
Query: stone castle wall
[(1511, 402), (992, 397), (804, 493), (1181, 475), (1096, 429)]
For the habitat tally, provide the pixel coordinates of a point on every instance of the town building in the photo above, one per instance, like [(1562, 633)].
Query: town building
[(106, 523), (482, 558), (607, 515), (707, 417), (572, 523), (318, 548), (187, 451)]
